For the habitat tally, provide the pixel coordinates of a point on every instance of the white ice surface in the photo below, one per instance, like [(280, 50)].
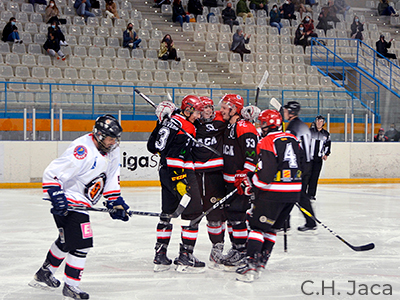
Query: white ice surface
[(120, 264)]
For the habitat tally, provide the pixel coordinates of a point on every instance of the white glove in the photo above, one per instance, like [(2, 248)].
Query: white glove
[(165, 108), (250, 113)]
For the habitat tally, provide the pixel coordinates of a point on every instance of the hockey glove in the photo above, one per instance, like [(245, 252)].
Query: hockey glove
[(59, 201), (179, 178), (119, 209), (243, 183), (165, 109), (250, 113)]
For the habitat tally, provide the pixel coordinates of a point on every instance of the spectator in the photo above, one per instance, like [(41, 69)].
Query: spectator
[(330, 12), (300, 7), (309, 27), (384, 9), (392, 134), (311, 3), (167, 49), (341, 7), (243, 11), (195, 7), (210, 3), (229, 16), (10, 32), (300, 37), (58, 34), (382, 46), (130, 38), (33, 2), (259, 4), (287, 10), (356, 29), (52, 14), (323, 23), (161, 2), (111, 10), (275, 18), (52, 47), (83, 8), (381, 137), (179, 14), (239, 41)]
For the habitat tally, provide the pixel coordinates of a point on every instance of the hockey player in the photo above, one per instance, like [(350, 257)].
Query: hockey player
[(239, 153), (88, 169), (209, 166), (320, 150), (299, 129), (276, 186), (178, 180)]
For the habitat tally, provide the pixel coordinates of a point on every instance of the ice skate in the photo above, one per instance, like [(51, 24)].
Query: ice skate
[(306, 229), (216, 257), (74, 292), (187, 263), (248, 272), (262, 259), (161, 261), (234, 259), (44, 279)]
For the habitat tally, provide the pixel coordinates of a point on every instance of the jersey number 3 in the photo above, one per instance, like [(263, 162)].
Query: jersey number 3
[(162, 139)]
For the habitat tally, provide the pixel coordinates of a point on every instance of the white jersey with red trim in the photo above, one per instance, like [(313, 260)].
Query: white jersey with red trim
[(239, 149), (84, 174), (278, 177)]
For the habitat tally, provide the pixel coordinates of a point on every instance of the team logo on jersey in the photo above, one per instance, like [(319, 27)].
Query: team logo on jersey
[(80, 152), (264, 219), (214, 200), (210, 127), (94, 189)]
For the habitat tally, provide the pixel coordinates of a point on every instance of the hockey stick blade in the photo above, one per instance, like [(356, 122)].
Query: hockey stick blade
[(275, 103), (216, 204), (367, 247), (260, 85)]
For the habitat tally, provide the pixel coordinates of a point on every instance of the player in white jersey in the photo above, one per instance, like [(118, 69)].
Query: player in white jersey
[(88, 169)]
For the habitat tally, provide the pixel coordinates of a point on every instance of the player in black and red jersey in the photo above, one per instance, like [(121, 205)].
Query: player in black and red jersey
[(276, 186), (178, 180), (239, 153), (208, 167)]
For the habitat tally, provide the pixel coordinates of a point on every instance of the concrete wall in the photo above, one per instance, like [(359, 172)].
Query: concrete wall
[(24, 162)]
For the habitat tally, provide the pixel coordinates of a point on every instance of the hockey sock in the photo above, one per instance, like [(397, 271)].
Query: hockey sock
[(54, 258), (269, 241), (240, 233), (215, 232), (74, 265), (189, 235), (255, 243), (164, 232), (230, 232)]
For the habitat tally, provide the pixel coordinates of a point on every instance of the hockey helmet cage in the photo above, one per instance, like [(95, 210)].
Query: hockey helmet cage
[(107, 125), (272, 118), (233, 100), (192, 103), (293, 107)]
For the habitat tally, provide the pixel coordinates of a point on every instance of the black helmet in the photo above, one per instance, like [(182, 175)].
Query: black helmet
[(293, 107), (107, 125), (320, 117)]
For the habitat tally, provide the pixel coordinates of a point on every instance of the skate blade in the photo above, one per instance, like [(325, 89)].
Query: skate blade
[(213, 265), (232, 268), (309, 232), (250, 276), (161, 268), (40, 285), (189, 269)]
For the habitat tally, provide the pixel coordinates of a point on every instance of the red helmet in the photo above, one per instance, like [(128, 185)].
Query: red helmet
[(272, 117), (234, 100), (192, 102), (207, 101)]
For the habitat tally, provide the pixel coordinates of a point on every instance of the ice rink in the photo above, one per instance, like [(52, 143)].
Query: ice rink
[(120, 264)]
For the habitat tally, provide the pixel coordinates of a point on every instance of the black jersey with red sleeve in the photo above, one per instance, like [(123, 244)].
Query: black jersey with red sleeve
[(278, 176), (172, 143), (239, 149), (211, 134)]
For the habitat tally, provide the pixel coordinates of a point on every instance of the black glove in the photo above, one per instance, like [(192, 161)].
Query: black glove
[(119, 209), (59, 201)]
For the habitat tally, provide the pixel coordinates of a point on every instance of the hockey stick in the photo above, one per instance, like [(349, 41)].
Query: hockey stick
[(181, 207), (367, 247), (217, 204), (260, 85), (148, 100)]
